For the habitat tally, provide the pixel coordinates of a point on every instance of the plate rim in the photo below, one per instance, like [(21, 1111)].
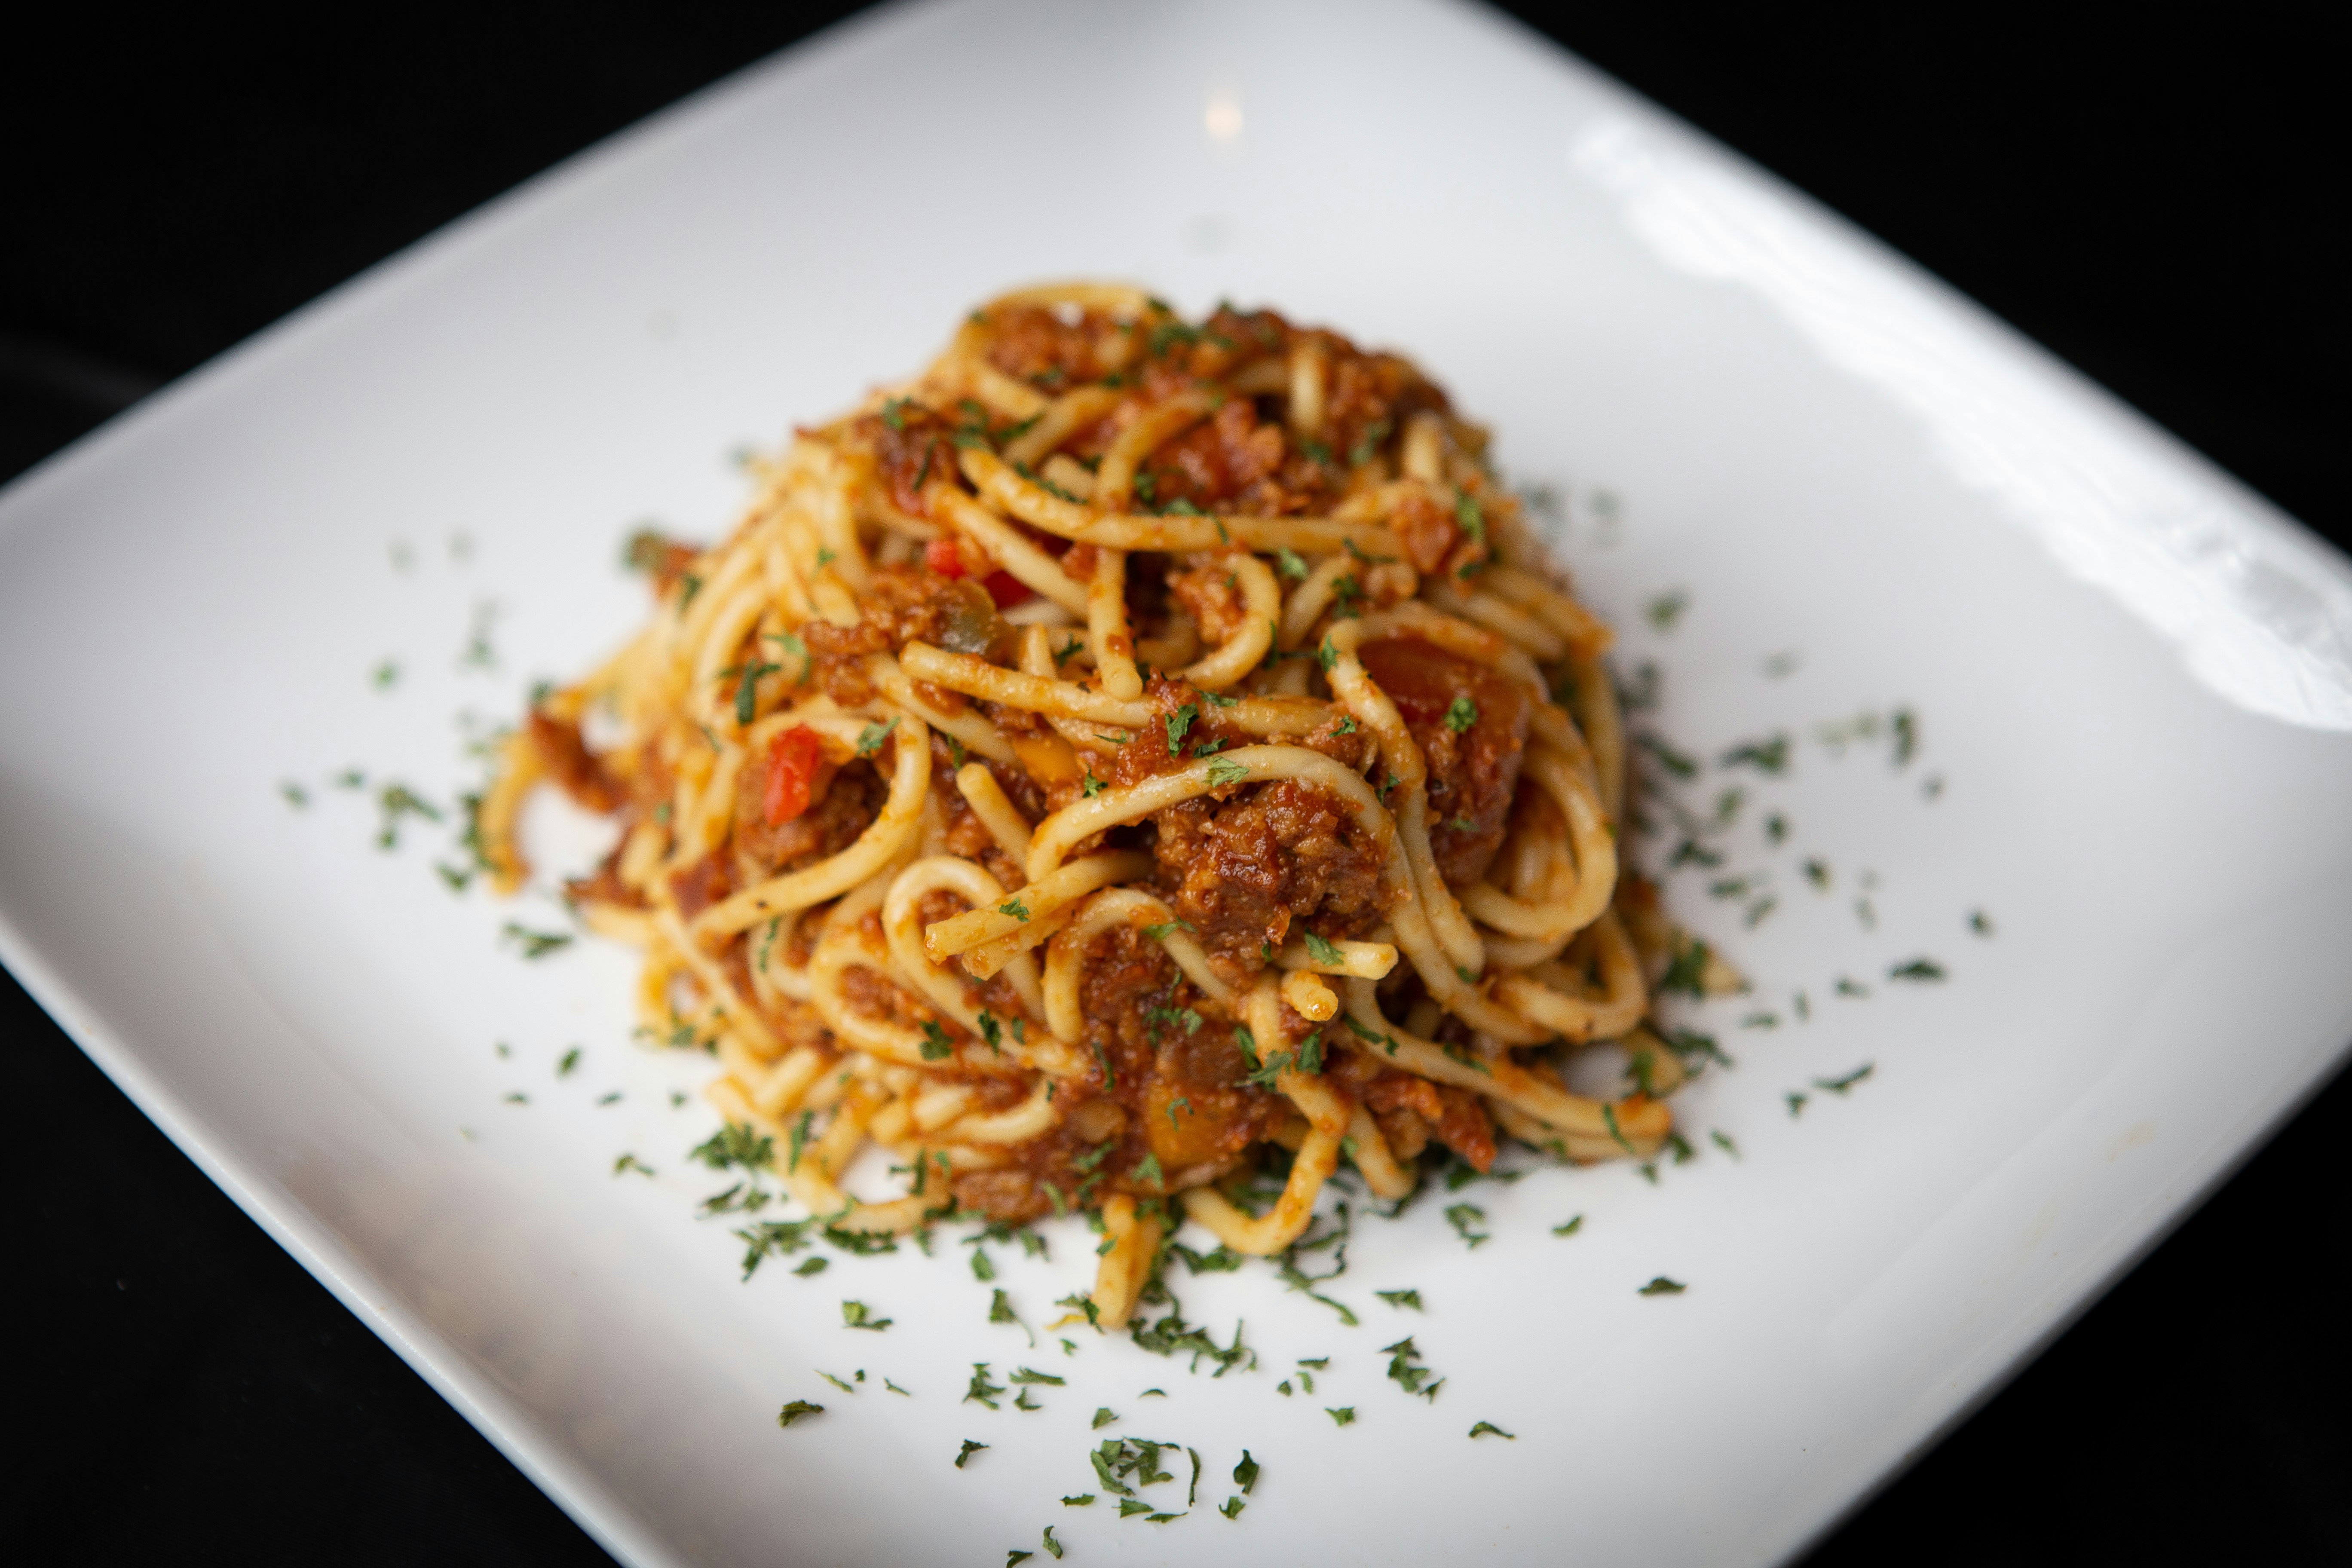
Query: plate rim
[(575, 1487)]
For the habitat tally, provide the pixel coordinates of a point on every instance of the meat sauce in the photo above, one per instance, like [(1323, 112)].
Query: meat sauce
[(843, 802), (1167, 1089), (571, 765), (1241, 460), (900, 604), (1050, 349), (1248, 864), (1248, 873), (1247, 867), (910, 446), (1473, 769), (1411, 1110)]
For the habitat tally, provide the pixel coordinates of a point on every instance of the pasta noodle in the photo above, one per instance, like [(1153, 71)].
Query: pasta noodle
[(1132, 760)]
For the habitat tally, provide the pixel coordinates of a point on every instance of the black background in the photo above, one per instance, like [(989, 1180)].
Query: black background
[(2143, 193)]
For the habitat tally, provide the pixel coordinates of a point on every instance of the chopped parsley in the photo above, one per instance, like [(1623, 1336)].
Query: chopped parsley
[(631, 1163), (1321, 950), (1224, 770), (863, 1243), (1673, 761), (1178, 723), (1171, 1336), (1103, 1417), (1245, 1473), (870, 739), (565, 1064), (1467, 513), (1770, 755), (1980, 922), (1483, 1427), (1090, 786), (1405, 1371), (1167, 929), (1661, 1286), (1466, 1218), (1345, 1415), (1684, 974), (1016, 907), (1845, 1084), (736, 1143), (1608, 1119), (1224, 1260), (1907, 737), (536, 943), (747, 689), (968, 1450), (1667, 609), (1573, 1223), (795, 1410), (857, 1315), (937, 1046), (1401, 1298), (1290, 565), (1274, 1065), (1919, 969)]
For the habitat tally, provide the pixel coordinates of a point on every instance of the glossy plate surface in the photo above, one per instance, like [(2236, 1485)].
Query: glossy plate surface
[(2132, 681)]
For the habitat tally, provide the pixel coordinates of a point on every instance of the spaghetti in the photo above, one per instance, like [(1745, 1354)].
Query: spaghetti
[(1133, 758)]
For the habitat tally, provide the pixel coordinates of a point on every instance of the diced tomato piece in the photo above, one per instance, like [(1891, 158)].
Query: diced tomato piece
[(794, 759), (1006, 589), (944, 556)]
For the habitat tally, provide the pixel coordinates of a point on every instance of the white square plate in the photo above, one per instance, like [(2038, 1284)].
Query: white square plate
[(2133, 681)]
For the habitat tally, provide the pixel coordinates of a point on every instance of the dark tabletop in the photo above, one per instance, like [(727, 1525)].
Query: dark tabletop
[(2146, 198)]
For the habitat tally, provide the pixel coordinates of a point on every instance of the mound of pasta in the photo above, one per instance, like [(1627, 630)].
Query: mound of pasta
[(1135, 761)]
